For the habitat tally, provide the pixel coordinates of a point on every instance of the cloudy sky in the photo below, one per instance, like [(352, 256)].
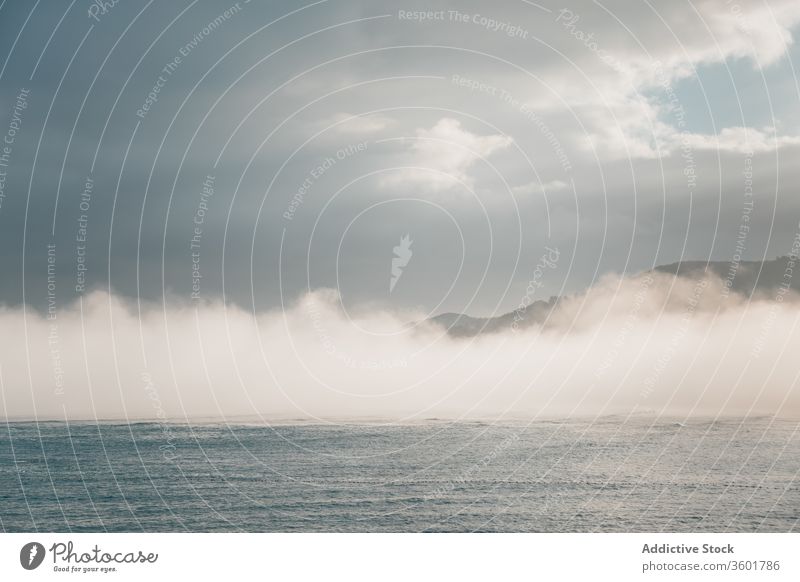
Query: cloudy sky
[(285, 188), (252, 151)]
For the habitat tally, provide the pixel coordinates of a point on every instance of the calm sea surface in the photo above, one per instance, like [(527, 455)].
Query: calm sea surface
[(608, 475)]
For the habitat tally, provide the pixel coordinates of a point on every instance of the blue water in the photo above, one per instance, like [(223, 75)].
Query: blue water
[(608, 475)]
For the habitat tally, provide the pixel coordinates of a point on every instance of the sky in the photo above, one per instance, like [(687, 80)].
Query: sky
[(408, 159), (618, 134)]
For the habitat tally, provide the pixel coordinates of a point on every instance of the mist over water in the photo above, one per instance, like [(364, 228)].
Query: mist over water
[(651, 344)]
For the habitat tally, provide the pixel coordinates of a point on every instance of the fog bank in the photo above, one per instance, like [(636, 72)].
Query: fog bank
[(649, 344)]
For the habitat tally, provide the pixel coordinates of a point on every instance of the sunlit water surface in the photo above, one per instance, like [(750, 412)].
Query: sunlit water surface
[(614, 474)]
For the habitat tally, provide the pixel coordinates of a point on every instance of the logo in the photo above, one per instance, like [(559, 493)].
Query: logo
[(99, 8), (402, 255), (31, 555)]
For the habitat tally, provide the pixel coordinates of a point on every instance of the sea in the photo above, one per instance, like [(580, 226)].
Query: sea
[(610, 474)]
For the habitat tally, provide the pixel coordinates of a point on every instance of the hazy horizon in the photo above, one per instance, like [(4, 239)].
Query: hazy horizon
[(255, 208)]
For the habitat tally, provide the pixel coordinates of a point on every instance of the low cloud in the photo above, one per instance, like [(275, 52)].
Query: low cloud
[(654, 344)]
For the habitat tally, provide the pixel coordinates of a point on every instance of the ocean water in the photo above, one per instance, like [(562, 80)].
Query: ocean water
[(612, 474)]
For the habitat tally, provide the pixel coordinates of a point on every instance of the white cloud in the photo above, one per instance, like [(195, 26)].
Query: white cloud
[(653, 47), (639, 131), (540, 187), (442, 156), (362, 124), (601, 352), (741, 140)]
